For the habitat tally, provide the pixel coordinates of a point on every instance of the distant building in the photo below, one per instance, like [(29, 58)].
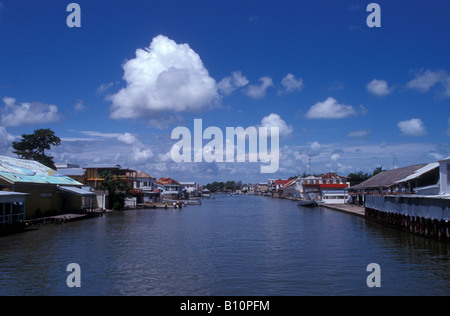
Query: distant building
[(329, 188), (192, 188), (169, 188), (290, 191), (143, 186)]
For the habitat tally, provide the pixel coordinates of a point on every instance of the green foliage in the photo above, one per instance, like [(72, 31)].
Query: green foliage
[(359, 177), (221, 186), (33, 146), (118, 190)]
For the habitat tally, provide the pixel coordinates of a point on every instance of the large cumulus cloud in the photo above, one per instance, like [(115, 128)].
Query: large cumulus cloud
[(165, 77)]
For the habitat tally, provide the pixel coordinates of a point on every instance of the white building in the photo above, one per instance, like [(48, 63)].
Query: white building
[(192, 188), (444, 173)]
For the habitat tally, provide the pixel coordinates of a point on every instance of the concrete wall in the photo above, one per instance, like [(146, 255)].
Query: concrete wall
[(423, 216), (426, 207)]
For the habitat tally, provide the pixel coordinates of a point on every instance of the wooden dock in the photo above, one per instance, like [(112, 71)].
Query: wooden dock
[(63, 218), (347, 208)]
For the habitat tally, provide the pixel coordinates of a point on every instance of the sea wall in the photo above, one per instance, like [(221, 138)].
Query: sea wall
[(422, 215)]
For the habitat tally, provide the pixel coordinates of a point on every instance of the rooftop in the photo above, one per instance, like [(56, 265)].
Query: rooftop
[(14, 170), (389, 178)]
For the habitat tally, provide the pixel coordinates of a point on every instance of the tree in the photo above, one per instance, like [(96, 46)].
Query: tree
[(117, 189), (377, 171), (358, 177), (33, 146)]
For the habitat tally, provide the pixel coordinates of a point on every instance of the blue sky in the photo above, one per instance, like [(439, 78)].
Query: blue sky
[(352, 97)]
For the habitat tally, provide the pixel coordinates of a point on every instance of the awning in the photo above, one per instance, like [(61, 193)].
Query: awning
[(77, 191)]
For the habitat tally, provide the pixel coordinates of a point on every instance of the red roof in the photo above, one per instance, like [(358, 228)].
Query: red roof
[(282, 182), (327, 185), (166, 181)]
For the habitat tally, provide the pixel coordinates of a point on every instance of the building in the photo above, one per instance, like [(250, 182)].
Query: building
[(12, 211), (94, 171), (169, 188), (47, 192), (444, 176), (406, 180), (290, 190), (192, 188), (143, 187), (334, 189), (78, 174), (329, 188), (262, 188)]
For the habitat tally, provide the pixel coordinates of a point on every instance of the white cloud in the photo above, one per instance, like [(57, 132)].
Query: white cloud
[(139, 151), (291, 84), (259, 92), (379, 87), (27, 113), (127, 138), (5, 138), (274, 120), (164, 77), (335, 157), (229, 84), (314, 149), (330, 109), (424, 80), (359, 134), (79, 106), (413, 127), (105, 87)]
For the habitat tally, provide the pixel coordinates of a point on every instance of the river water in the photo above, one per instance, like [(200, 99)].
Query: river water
[(230, 246)]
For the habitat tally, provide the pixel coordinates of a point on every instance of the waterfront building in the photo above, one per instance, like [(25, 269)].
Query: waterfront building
[(12, 211), (329, 188), (169, 188), (78, 174), (191, 188), (262, 188), (444, 176), (290, 190), (93, 172), (143, 187), (406, 180), (48, 192)]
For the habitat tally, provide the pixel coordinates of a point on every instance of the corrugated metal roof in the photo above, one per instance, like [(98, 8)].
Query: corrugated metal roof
[(77, 191), (421, 171), (15, 170), (389, 178)]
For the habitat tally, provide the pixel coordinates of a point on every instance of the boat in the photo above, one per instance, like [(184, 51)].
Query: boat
[(164, 205), (307, 203)]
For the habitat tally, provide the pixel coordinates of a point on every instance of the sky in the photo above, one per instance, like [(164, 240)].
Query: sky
[(350, 96)]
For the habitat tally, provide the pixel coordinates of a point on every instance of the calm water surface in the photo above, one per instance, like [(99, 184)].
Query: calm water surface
[(240, 245)]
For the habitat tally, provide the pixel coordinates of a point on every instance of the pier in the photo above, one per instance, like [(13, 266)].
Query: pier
[(422, 215), (347, 208)]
